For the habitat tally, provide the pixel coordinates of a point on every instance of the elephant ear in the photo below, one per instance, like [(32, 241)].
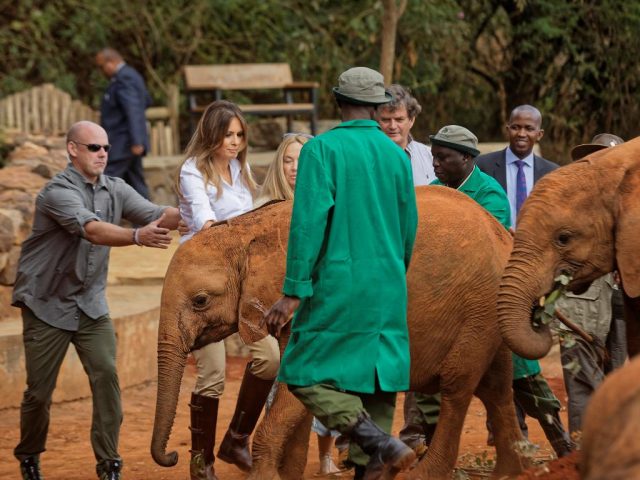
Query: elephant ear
[(628, 232), (263, 275)]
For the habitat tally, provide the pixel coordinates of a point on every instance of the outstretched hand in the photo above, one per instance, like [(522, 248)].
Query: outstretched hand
[(280, 314), (151, 235)]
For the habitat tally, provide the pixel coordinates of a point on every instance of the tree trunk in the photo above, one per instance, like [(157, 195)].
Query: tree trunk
[(391, 13)]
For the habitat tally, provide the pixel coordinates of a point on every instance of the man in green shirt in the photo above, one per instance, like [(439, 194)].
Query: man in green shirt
[(454, 149), (352, 231)]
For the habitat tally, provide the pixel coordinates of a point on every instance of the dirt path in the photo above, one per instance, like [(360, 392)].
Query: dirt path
[(69, 455)]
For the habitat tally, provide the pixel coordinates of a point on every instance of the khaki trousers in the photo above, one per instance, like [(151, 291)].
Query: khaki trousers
[(211, 363), (339, 410)]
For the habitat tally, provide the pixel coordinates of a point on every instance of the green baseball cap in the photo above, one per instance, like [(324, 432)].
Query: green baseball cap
[(458, 138), (362, 86)]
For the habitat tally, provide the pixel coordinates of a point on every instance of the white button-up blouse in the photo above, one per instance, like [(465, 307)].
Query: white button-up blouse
[(198, 203)]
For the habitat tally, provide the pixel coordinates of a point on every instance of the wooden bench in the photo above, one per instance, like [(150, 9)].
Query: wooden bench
[(205, 81)]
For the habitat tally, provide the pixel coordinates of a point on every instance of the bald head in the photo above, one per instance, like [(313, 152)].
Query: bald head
[(82, 129), (527, 110), (108, 60)]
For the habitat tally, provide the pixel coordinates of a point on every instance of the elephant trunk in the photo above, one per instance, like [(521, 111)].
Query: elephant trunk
[(171, 364), (521, 287)]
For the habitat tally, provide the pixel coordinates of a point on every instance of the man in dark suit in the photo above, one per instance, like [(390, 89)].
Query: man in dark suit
[(524, 130), (123, 117), (517, 169)]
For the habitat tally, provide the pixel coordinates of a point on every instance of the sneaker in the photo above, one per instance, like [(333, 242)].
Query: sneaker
[(30, 469)]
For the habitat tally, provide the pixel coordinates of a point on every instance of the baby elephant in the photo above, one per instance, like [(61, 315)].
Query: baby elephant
[(611, 437)]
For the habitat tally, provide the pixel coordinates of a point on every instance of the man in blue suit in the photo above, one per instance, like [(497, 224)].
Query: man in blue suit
[(123, 117)]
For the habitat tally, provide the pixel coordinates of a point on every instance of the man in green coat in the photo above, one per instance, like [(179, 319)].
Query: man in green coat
[(352, 231), (454, 149)]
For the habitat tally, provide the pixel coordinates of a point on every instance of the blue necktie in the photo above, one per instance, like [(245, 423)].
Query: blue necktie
[(521, 185)]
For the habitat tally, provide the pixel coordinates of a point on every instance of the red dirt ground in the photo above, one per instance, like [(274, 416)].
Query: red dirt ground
[(69, 455)]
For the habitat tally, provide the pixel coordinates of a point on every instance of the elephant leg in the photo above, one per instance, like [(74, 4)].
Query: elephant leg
[(496, 394), (296, 449), (442, 454), (272, 435)]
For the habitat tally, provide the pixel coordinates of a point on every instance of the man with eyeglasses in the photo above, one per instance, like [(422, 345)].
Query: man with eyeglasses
[(517, 169), (122, 114), (60, 288)]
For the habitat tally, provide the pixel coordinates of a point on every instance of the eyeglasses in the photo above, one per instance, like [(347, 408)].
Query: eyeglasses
[(296, 134), (94, 147)]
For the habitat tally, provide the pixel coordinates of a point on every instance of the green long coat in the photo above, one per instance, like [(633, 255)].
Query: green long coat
[(352, 230)]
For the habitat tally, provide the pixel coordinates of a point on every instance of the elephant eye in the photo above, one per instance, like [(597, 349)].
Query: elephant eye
[(200, 301), (563, 239)]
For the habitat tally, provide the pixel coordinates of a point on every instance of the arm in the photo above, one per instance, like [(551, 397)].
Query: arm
[(311, 206), (151, 235), (411, 224)]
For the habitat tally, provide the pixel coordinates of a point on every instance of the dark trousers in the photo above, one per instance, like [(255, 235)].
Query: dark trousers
[(533, 396), (45, 347), (131, 171), (338, 410)]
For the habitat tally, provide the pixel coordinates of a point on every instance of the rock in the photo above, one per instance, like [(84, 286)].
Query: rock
[(6, 233), (6, 310), (28, 150), (8, 274), (20, 178), (17, 229), (24, 202)]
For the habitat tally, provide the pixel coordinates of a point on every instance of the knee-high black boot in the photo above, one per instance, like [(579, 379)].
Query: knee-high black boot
[(204, 416), (251, 399)]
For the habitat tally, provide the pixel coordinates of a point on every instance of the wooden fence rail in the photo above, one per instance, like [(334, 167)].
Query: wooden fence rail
[(46, 110)]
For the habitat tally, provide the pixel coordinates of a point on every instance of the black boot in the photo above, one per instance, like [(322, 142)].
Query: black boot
[(30, 469), (204, 416), (251, 399), (109, 470), (387, 455)]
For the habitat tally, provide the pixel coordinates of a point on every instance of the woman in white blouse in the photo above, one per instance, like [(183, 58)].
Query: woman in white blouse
[(215, 184)]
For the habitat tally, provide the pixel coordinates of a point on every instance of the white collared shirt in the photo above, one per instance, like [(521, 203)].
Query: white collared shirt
[(512, 175), (198, 203), (421, 162)]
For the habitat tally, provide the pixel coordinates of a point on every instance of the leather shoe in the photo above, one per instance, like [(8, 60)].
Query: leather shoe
[(30, 469)]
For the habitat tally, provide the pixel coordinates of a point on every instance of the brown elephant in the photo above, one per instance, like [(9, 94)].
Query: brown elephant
[(611, 437), (581, 220), (220, 282)]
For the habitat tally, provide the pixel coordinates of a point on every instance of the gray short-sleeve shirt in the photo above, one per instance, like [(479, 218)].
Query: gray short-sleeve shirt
[(60, 273)]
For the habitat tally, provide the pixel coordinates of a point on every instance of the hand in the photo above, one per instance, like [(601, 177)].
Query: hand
[(137, 150), (183, 229), (280, 314), (152, 235)]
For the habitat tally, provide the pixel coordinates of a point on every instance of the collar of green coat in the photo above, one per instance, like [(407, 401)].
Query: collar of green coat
[(358, 123)]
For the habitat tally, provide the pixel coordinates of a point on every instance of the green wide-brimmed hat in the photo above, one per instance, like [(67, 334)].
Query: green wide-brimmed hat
[(458, 138), (599, 142), (362, 86)]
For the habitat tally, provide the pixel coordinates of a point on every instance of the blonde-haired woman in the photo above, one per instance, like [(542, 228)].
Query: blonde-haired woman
[(279, 182), (215, 183)]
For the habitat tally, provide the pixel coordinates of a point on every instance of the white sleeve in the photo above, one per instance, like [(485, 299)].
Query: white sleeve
[(195, 195)]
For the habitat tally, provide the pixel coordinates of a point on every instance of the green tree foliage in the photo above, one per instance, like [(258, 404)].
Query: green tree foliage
[(468, 61)]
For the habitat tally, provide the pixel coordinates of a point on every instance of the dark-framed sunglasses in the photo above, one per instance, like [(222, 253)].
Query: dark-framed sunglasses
[(94, 147)]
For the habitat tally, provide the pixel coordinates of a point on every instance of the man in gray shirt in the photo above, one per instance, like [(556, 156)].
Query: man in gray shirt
[(60, 288)]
